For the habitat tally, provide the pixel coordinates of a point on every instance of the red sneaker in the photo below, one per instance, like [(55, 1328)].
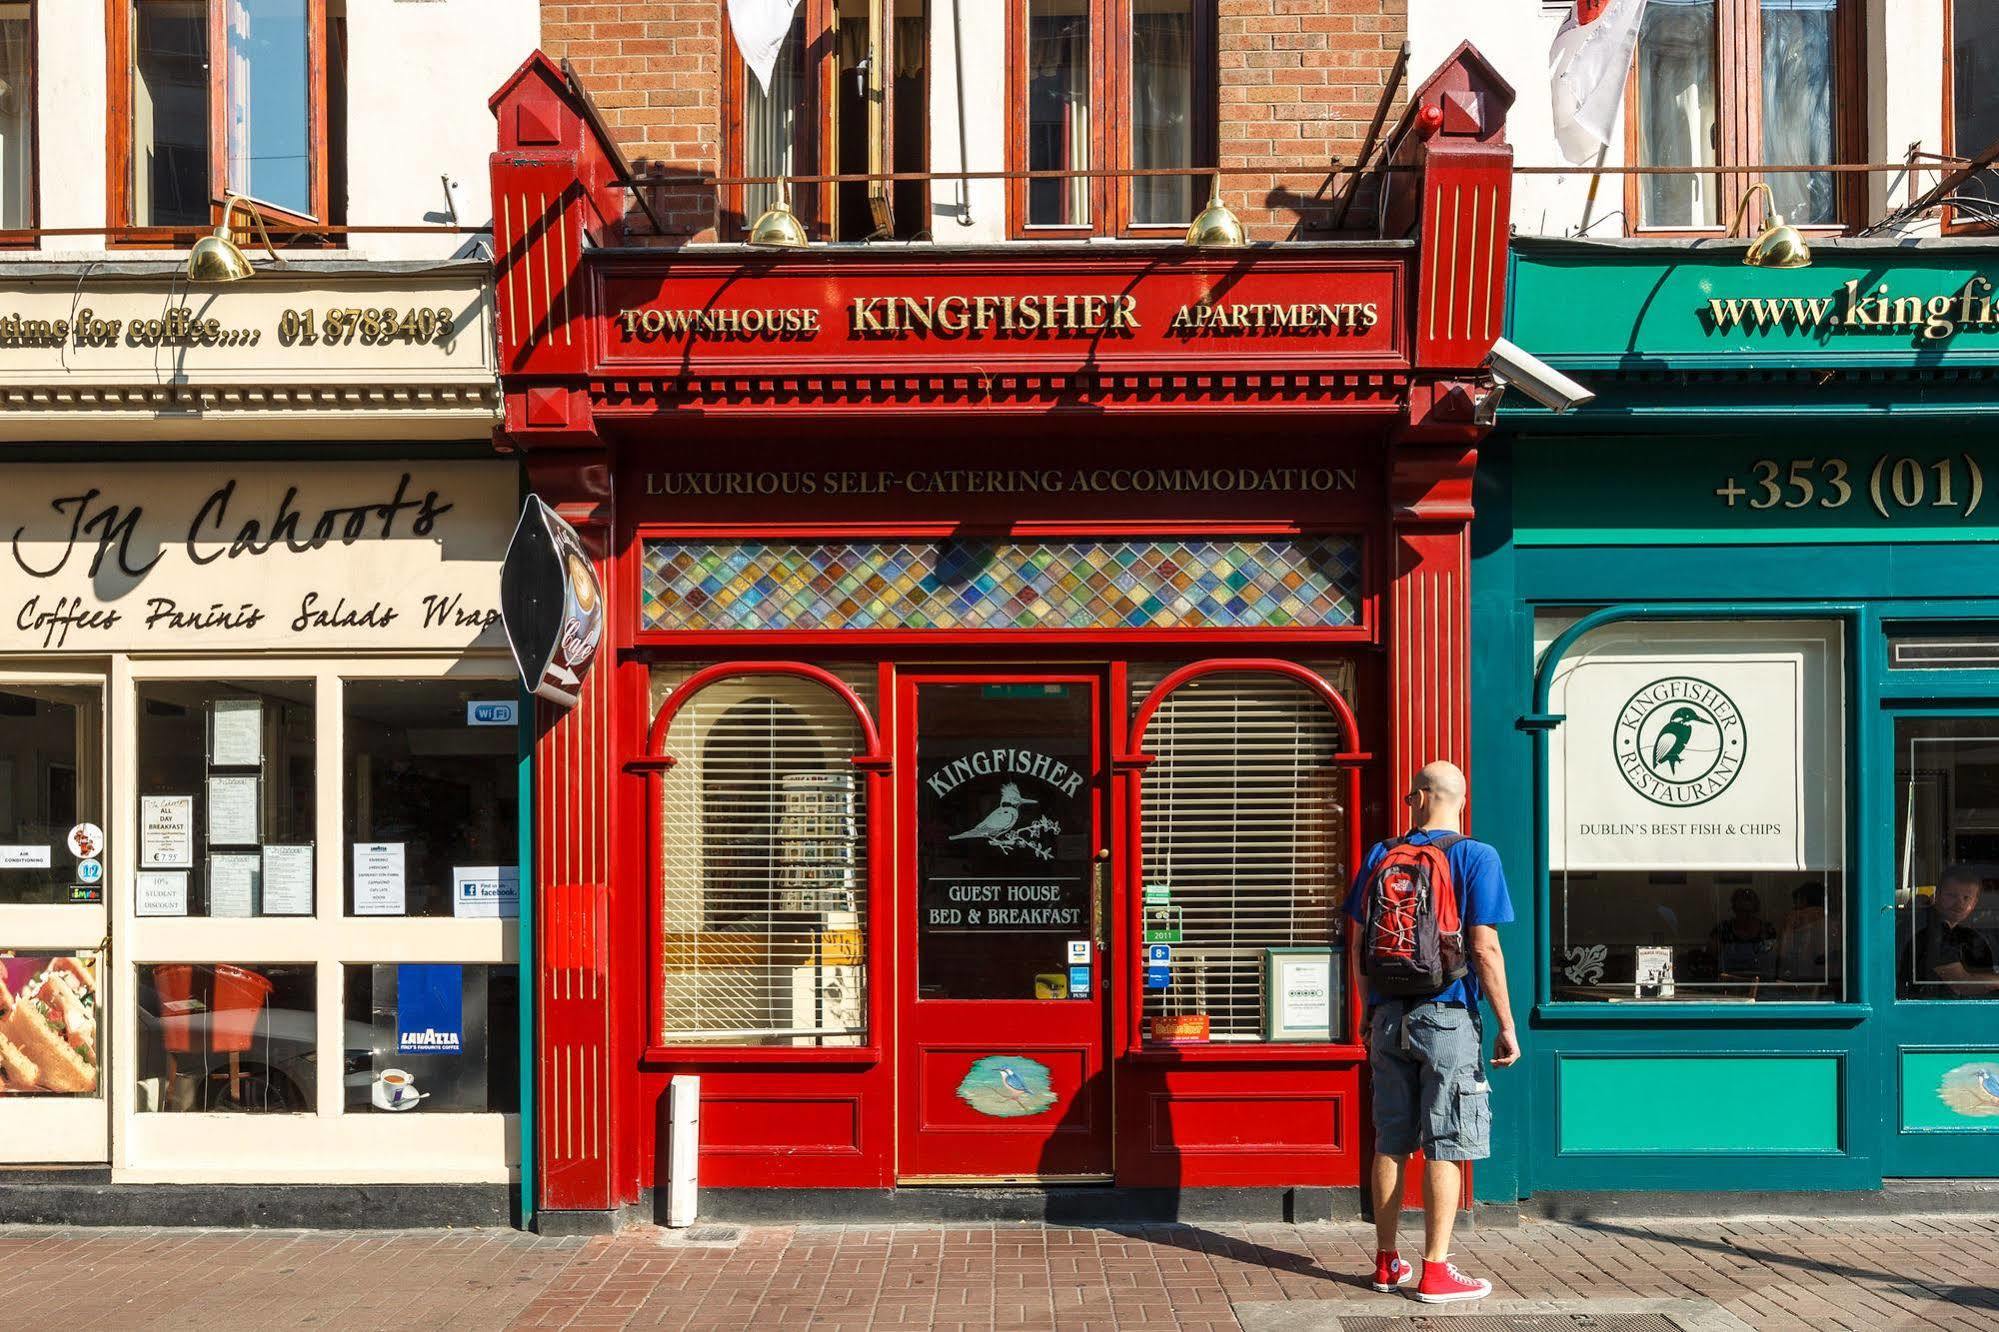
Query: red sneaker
[(1444, 1284), (1390, 1271)]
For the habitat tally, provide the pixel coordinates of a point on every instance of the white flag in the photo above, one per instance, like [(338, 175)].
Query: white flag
[(760, 27), (1587, 67)]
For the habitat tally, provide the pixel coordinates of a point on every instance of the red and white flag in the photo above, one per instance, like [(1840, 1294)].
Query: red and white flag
[(1587, 67)]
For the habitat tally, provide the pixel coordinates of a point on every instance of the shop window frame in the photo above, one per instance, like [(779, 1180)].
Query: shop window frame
[(147, 1146), (1111, 132), (1739, 124), (1540, 723), (27, 239), (874, 763), (1133, 763), (323, 51)]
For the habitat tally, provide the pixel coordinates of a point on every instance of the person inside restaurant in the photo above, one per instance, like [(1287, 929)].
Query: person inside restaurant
[(1949, 952)]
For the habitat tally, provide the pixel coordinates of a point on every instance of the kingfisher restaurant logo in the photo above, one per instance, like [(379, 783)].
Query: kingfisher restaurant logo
[(1680, 741)]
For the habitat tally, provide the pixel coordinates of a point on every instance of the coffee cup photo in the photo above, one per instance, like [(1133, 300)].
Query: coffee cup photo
[(395, 1089)]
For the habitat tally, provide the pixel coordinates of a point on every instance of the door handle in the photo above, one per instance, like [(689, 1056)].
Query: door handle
[(1097, 897)]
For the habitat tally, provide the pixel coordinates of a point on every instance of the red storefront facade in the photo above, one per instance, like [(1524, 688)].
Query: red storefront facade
[(1008, 652)]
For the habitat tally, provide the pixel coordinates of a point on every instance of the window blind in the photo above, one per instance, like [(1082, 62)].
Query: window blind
[(764, 868), (1245, 827)]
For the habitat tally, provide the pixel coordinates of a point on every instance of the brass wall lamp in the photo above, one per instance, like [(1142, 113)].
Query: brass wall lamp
[(777, 227), (1217, 227), (217, 258), (1778, 245)]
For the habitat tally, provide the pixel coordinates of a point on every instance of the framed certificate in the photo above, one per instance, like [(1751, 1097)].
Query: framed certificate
[(1303, 998)]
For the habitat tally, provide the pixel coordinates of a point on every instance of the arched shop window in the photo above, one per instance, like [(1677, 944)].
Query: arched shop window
[(1697, 811), (763, 865), (1246, 853)]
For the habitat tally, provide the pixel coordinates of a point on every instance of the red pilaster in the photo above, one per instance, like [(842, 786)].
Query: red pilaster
[(575, 778)]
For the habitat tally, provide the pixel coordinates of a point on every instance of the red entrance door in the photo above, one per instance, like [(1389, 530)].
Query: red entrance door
[(1004, 870)]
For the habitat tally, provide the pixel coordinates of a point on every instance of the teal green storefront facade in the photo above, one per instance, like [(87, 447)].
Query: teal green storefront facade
[(1735, 631)]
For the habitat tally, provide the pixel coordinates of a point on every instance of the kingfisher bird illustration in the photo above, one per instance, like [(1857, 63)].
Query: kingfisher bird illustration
[(1971, 1089), (1011, 1080), (1002, 820), (1671, 742)]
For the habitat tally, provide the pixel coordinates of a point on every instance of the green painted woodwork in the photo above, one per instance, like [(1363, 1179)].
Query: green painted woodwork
[(1944, 1089), (1792, 485), (1698, 1104), (1583, 304)]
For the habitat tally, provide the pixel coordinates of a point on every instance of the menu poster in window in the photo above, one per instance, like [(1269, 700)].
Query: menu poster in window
[(236, 733), (1724, 755), (161, 893), (232, 811), (166, 832), (288, 880), (489, 891), (380, 885), (232, 884)]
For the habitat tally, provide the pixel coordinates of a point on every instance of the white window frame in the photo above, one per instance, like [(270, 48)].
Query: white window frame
[(328, 1145)]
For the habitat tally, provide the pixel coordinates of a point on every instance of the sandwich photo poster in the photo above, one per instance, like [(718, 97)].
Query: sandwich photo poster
[(48, 1024)]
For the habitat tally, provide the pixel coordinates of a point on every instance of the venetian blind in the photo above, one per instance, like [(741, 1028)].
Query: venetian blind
[(763, 902), (1245, 827)]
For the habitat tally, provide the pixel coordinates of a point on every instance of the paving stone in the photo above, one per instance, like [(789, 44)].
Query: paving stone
[(1777, 1275)]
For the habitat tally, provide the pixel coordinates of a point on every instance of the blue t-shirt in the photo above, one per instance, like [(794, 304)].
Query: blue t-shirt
[(1482, 899)]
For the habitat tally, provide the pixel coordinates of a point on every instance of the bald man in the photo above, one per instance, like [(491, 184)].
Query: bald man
[(1425, 1050)]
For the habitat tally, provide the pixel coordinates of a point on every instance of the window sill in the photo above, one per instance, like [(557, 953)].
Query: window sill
[(1248, 1053), (1671, 1011), (838, 1055)]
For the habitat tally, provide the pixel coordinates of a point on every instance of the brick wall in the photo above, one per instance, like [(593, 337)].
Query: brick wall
[(655, 71), (1299, 83)]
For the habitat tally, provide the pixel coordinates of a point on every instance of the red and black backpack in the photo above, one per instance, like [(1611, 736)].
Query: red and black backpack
[(1412, 939)]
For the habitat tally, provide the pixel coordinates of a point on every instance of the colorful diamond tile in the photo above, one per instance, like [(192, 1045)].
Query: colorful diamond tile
[(1309, 582)]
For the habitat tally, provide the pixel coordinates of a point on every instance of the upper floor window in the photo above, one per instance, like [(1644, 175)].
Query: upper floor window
[(17, 115), (1745, 84), (1109, 85), (218, 97), (1971, 103), (812, 117)]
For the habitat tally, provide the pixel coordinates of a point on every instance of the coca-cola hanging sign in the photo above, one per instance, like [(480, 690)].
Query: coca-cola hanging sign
[(551, 604)]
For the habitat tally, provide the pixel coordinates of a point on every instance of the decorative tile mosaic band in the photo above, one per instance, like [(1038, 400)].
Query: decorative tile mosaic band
[(1280, 583)]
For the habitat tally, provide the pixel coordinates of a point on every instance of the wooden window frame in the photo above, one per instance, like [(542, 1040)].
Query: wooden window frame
[(1739, 122), (1948, 221), (121, 73), (1111, 130), (813, 203), (29, 240)]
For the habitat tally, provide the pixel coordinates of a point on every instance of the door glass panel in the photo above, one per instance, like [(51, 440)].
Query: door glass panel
[(1947, 834), (1004, 832), (50, 740)]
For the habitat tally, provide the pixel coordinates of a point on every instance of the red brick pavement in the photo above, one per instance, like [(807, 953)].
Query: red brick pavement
[(1783, 1275)]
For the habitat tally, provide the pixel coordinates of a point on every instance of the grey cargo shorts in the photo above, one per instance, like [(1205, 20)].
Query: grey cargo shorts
[(1429, 1081)]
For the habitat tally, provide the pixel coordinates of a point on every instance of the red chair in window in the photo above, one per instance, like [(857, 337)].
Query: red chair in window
[(175, 987), (239, 1000)]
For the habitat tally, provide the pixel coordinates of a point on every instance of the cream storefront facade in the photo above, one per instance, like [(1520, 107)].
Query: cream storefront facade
[(260, 745)]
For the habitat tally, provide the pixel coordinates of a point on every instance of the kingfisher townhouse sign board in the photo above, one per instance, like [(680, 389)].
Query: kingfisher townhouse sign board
[(226, 556), (863, 315), (1715, 757)]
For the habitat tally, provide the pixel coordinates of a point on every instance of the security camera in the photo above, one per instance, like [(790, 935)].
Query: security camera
[(1515, 367)]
